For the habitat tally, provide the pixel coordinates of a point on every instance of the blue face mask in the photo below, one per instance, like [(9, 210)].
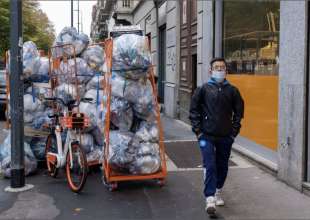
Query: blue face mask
[(218, 75)]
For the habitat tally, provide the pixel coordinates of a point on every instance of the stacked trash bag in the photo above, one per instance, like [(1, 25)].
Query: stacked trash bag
[(134, 135), (89, 62)]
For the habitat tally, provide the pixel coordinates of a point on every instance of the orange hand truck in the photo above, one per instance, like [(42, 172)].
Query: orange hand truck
[(110, 176)]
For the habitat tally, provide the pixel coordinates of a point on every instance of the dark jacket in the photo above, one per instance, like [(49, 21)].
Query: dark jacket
[(216, 110)]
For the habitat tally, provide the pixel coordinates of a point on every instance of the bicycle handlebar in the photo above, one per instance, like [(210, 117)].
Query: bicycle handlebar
[(70, 103)]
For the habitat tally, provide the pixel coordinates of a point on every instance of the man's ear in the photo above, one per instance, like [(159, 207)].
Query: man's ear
[(210, 71)]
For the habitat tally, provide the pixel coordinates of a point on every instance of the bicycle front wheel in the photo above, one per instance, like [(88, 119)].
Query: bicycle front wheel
[(77, 172), (50, 152)]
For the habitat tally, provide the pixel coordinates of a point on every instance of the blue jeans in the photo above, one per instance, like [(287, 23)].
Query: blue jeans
[(215, 156)]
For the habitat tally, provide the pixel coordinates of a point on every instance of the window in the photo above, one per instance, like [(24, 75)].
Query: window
[(251, 37), (126, 3), (193, 10), (184, 11)]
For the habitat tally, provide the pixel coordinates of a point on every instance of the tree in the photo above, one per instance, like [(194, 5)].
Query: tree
[(36, 25)]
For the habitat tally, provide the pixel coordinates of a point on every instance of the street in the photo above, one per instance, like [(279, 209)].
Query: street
[(250, 193)]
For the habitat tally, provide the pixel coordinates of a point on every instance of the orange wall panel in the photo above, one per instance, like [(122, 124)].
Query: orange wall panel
[(260, 94)]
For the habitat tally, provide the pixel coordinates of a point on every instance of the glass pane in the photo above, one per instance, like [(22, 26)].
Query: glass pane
[(251, 37)]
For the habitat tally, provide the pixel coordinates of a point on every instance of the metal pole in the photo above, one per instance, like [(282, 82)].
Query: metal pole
[(81, 21), (71, 13), (16, 95), (218, 28), (78, 11)]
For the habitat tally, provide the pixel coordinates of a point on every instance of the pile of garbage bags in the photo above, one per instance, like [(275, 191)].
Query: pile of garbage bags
[(134, 136), (5, 158), (78, 75)]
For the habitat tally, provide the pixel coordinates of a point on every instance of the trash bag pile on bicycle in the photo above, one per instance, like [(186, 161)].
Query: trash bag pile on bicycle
[(134, 136), (88, 62), (79, 75)]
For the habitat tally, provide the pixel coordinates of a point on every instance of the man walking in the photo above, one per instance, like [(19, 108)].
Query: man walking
[(215, 113)]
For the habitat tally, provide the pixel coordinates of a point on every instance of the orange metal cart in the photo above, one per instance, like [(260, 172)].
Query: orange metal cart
[(111, 177)]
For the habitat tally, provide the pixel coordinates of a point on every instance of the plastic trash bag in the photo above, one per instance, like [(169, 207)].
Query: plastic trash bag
[(148, 132), (41, 121), (94, 56), (117, 85), (42, 75), (74, 70), (121, 152), (95, 83), (31, 59), (145, 165), (39, 92), (121, 114), (37, 145), (95, 154), (134, 74), (66, 92), (91, 109), (32, 104), (87, 142), (131, 52), (69, 35), (5, 158), (140, 93), (98, 136)]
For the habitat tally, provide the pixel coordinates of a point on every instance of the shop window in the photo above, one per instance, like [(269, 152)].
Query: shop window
[(251, 37), (126, 3)]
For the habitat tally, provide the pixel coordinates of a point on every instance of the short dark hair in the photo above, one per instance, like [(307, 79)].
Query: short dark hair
[(215, 59)]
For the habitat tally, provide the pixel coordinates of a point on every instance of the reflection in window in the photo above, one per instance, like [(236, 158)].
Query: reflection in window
[(251, 36)]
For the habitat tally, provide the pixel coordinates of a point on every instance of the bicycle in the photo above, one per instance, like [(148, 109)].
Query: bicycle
[(70, 154)]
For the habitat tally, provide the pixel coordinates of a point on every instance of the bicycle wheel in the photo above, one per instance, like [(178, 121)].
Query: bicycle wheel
[(76, 174), (51, 161)]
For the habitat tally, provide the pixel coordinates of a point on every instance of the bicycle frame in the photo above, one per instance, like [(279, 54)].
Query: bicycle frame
[(63, 150)]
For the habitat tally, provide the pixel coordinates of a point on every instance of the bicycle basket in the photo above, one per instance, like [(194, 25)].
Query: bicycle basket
[(75, 121)]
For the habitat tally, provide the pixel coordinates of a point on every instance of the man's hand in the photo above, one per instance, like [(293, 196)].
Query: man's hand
[(199, 136)]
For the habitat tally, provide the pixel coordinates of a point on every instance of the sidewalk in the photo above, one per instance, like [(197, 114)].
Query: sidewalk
[(250, 192)]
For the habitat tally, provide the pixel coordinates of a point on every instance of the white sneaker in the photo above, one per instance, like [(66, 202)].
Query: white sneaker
[(210, 205), (218, 199)]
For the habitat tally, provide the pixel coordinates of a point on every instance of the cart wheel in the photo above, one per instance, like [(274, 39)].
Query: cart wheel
[(113, 186), (110, 186), (160, 182)]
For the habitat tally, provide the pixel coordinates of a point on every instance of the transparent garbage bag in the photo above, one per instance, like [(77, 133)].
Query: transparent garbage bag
[(121, 151), (145, 165), (31, 59), (5, 157), (42, 75), (131, 54), (94, 56), (32, 104), (66, 92), (121, 113), (148, 132), (95, 154), (69, 35), (117, 85), (87, 142), (95, 83), (74, 70), (37, 145), (98, 136), (140, 93)]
